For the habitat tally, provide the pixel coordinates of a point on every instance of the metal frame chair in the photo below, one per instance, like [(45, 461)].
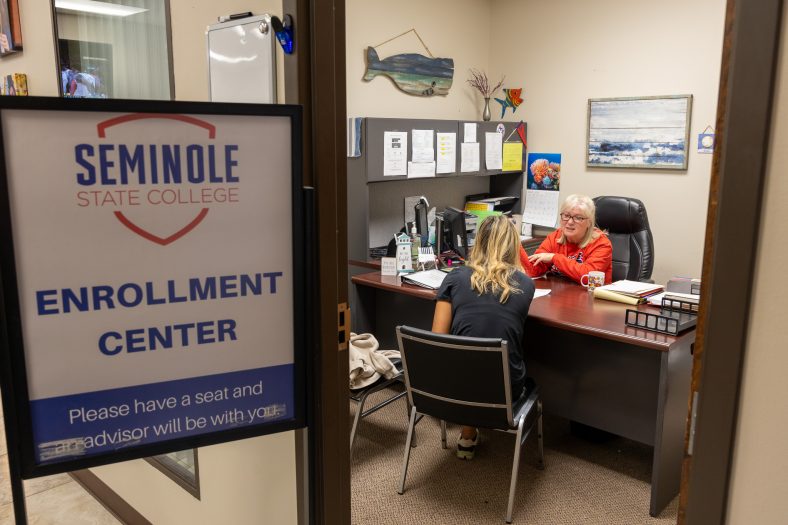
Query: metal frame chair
[(476, 391), (360, 396)]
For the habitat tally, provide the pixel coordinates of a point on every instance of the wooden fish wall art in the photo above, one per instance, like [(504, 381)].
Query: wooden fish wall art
[(512, 100), (413, 73)]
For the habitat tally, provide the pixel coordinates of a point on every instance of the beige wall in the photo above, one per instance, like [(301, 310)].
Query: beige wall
[(759, 480), (245, 482), (458, 29), (38, 58), (563, 53), (190, 18)]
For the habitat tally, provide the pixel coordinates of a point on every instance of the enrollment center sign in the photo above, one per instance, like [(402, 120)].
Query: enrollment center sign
[(157, 303)]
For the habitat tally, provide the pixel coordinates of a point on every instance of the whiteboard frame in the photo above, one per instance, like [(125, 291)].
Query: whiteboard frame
[(261, 19)]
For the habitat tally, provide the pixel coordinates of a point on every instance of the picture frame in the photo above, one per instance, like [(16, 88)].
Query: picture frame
[(10, 27), (639, 132), (16, 24)]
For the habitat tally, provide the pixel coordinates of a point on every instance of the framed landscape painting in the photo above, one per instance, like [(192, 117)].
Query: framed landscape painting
[(639, 132)]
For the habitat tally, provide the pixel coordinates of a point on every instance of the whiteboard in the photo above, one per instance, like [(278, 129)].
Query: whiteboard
[(241, 60)]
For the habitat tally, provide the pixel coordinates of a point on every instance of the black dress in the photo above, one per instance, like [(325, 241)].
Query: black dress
[(484, 315)]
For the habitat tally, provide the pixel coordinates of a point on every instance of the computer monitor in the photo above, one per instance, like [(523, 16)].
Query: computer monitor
[(422, 225), (455, 235)]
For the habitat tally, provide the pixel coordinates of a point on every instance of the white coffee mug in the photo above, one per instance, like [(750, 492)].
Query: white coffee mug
[(593, 280)]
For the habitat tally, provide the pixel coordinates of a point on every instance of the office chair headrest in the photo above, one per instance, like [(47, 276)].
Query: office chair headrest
[(621, 214)]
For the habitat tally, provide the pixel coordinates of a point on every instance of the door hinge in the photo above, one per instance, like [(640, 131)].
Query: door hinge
[(343, 325), (693, 418)]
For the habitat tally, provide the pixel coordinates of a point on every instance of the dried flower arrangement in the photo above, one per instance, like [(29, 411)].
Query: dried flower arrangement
[(480, 81)]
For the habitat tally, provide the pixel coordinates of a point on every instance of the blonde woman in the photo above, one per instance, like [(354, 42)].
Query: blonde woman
[(576, 247), (488, 297)]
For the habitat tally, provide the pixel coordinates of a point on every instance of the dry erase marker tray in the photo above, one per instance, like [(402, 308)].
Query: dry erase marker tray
[(666, 322)]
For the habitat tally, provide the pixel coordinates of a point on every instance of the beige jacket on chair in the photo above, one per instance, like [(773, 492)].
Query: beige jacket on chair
[(367, 362)]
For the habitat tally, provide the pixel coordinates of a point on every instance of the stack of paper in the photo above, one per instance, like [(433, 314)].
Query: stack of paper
[(474, 206), (633, 288), (628, 292)]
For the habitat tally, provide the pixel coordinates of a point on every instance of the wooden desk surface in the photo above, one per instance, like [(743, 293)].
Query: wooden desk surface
[(569, 307)]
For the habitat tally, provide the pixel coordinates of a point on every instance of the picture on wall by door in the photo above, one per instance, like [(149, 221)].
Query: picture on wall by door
[(639, 132), (16, 25), (10, 28)]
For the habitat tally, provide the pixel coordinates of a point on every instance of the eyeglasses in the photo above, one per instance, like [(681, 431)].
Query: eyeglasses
[(577, 218)]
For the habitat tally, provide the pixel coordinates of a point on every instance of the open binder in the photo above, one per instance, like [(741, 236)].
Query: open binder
[(431, 279)]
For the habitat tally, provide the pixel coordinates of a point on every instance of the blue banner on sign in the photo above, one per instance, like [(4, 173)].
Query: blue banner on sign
[(82, 425)]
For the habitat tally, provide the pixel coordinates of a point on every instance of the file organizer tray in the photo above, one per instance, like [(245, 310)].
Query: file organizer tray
[(666, 322), (678, 305)]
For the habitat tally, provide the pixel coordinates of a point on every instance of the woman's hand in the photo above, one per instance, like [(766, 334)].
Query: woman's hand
[(537, 258)]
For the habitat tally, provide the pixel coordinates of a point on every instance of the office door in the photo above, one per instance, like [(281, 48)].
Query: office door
[(744, 111)]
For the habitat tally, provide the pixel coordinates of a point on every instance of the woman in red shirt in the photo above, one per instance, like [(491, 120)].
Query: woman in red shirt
[(576, 247)]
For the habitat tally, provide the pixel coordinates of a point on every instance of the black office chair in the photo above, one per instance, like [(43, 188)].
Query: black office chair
[(475, 391), (360, 396), (626, 222)]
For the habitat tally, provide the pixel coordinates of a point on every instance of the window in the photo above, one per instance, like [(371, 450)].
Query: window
[(114, 49), (121, 49), (181, 467)]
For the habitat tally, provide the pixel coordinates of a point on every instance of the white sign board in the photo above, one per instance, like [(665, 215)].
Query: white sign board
[(155, 274)]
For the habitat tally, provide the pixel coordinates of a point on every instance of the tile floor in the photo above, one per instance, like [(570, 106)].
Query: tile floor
[(51, 500)]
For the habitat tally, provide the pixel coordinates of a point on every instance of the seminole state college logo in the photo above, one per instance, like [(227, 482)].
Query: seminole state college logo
[(163, 188)]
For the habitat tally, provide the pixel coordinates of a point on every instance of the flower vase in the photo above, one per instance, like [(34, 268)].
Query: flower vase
[(486, 116)]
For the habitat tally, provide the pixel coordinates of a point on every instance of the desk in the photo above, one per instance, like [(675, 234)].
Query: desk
[(590, 366)]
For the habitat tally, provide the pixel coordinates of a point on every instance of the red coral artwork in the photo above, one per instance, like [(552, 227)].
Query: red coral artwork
[(544, 171)]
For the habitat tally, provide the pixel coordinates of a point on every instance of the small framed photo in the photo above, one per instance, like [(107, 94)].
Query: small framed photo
[(639, 132)]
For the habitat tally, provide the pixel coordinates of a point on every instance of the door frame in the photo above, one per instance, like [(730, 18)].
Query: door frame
[(315, 79), (744, 113)]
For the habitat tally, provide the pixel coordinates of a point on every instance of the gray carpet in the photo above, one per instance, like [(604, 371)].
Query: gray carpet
[(583, 482)]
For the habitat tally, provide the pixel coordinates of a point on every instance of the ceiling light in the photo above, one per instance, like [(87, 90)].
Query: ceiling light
[(99, 8)]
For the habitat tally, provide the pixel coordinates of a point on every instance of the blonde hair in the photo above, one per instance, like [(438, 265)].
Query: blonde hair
[(495, 257), (585, 203)]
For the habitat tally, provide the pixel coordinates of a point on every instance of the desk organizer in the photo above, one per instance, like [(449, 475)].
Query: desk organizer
[(677, 305), (667, 321)]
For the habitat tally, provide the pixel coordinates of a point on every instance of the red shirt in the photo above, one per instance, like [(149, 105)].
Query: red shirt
[(572, 261)]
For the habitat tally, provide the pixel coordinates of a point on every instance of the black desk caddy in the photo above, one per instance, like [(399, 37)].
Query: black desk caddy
[(674, 317)]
